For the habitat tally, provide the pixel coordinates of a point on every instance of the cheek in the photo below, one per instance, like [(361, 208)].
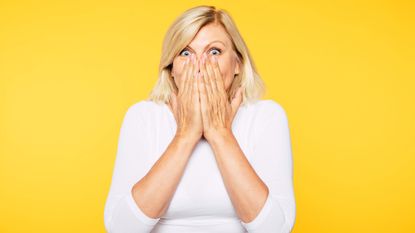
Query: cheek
[(226, 68), (225, 65), (176, 67)]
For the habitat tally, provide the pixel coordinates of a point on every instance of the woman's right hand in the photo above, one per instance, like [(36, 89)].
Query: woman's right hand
[(186, 105)]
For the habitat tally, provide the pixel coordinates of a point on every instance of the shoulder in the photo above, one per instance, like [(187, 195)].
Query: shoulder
[(143, 106), (268, 108), (141, 110), (271, 105), (270, 120)]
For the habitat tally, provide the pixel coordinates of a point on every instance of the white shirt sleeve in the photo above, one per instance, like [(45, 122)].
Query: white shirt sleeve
[(272, 160), (122, 214)]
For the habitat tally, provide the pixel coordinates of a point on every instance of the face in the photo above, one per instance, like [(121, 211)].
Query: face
[(211, 40)]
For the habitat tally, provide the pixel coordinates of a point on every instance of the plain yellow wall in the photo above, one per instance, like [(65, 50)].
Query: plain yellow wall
[(343, 71)]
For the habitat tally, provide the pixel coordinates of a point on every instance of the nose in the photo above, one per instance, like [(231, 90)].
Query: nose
[(198, 59)]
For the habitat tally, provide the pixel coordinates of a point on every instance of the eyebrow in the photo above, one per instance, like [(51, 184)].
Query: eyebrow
[(208, 44)]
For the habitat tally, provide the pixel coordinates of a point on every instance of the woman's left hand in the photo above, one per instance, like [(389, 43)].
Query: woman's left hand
[(217, 112)]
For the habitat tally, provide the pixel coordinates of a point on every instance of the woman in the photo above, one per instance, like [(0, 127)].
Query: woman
[(203, 153)]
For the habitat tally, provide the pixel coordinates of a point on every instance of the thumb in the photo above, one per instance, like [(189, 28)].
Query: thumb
[(237, 99), (173, 102)]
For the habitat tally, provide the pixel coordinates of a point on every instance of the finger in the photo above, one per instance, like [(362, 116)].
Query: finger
[(211, 74), (206, 83), (237, 100), (218, 77), (195, 91), (185, 69), (202, 94), (194, 81), (173, 99), (189, 76)]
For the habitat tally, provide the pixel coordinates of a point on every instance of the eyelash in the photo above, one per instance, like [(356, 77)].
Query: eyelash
[(219, 50)]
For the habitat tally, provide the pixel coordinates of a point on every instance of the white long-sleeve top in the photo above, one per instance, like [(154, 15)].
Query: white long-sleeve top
[(201, 202)]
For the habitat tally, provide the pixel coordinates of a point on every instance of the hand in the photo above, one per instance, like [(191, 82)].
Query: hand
[(186, 105), (217, 112)]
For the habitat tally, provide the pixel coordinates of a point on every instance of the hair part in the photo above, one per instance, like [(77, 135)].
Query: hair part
[(181, 33)]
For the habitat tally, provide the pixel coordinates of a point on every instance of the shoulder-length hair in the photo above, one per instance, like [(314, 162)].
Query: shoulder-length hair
[(181, 33)]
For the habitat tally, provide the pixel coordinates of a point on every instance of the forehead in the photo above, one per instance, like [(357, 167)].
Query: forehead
[(209, 33)]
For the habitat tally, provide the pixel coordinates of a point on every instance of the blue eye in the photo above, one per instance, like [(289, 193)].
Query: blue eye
[(184, 50), (213, 49)]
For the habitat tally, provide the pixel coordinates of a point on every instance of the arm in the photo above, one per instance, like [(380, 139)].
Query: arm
[(139, 196), (265, 204), (245, 188)]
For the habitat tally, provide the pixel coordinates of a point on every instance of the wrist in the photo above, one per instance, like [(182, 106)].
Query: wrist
[(187, 138), (219, 136)]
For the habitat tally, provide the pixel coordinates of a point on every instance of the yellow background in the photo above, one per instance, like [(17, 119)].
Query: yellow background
[(343, 71)]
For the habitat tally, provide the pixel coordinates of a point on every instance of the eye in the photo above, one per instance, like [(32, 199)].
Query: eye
[(216, 49), (184, 50)]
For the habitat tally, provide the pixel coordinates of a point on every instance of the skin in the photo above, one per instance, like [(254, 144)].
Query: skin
[(199, 46), (213, 41), (201, 109)]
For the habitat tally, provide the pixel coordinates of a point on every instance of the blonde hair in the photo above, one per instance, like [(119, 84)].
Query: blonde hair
[(181, 33)]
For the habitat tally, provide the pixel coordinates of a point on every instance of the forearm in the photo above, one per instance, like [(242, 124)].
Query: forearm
[(154, 191), (246, 190)]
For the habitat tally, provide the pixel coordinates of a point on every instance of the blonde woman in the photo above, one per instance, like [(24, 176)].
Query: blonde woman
[(203, 153)]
